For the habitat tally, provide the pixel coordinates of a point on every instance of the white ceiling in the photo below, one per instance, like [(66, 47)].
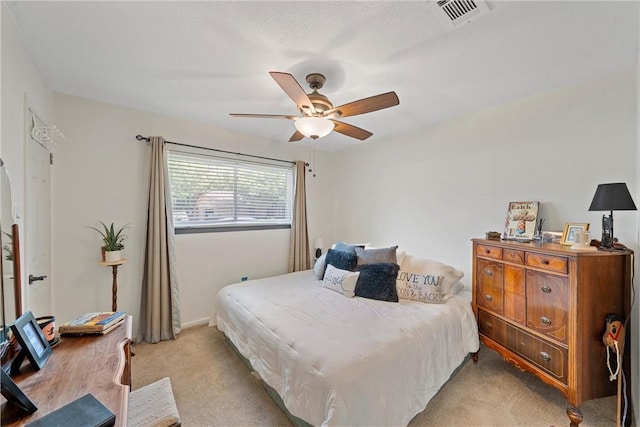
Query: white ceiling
[(204, 60)]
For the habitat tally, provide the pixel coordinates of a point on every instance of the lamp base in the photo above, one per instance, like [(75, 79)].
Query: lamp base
[(607, 232), (615, 246)]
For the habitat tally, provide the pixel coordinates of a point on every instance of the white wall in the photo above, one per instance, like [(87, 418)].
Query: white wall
[(100, 172), (437, 188)]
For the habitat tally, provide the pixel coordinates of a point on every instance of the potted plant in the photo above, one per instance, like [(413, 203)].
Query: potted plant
[(8, 248), (113, 241)]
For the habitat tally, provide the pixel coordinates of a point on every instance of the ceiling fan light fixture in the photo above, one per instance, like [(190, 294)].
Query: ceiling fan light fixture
[(314, 127)]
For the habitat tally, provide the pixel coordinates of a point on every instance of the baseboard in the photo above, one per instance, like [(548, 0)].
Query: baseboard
[(187, 325), (193, 323)]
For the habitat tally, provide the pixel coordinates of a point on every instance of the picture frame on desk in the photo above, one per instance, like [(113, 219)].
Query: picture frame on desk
[(570, 228), (33, 344), (13, 394)]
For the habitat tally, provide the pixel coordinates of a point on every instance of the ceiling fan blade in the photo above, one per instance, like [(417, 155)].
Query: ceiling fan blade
[(366, 105), (264, 116), (291, 87), (297, 136), (351, 130)]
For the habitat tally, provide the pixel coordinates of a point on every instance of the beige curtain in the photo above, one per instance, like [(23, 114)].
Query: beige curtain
[(160, 303), (299, 256)]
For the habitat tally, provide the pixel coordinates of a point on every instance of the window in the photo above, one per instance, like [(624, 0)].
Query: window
[(210, 193)]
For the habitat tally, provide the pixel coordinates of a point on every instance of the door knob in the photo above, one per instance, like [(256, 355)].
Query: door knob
[(33, 278)]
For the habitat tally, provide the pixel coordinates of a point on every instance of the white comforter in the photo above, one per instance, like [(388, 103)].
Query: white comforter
[(339, 361)]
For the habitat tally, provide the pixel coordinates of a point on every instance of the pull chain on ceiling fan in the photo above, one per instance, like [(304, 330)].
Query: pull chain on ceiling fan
[(317, 114)]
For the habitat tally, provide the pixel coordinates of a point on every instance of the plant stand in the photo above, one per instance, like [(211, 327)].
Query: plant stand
[(114, 268)]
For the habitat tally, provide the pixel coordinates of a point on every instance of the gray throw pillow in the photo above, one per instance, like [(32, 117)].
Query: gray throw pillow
[(377, 256)]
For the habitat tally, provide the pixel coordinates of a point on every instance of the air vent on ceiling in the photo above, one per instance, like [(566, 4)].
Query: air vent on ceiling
[(455, 12)]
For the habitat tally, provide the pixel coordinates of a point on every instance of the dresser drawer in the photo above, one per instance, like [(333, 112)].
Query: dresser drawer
[(489, 285), (547, 262), (511, 255), (514, 297), (489, 251), (548, 304), (492, 327), (548, 357)]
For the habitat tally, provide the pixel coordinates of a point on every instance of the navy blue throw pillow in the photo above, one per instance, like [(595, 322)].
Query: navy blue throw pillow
[(341, 260), (378, 281)]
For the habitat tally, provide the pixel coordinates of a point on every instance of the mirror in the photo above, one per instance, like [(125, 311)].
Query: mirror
[(10, 290)]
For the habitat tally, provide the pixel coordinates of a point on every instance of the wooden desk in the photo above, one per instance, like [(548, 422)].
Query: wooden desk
[(96, 364)]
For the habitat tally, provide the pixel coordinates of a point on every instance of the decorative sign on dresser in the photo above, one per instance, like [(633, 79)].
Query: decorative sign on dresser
[(543, 306)]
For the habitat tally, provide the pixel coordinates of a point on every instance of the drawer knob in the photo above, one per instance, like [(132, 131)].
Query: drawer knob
[(489, 325), (546, 289), (545, 320), (488, 297), (545, 262), (487, 251), (545, 356), (488, 272)]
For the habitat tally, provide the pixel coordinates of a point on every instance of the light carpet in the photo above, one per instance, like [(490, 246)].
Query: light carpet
[(212, 387)]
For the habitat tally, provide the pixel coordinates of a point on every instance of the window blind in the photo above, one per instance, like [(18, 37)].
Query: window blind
[(212, 193)]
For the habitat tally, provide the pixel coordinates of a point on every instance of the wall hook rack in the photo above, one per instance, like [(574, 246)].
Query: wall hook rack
[(46, 135)]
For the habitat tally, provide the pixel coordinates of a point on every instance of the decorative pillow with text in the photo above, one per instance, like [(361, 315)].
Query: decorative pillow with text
[(341, 281), (425, 280)]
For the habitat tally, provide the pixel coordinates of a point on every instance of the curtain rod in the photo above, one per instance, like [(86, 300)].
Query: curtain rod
[(142, 138)]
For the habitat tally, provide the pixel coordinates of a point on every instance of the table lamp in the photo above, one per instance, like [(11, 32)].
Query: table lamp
[(611, 197), (318, 245)]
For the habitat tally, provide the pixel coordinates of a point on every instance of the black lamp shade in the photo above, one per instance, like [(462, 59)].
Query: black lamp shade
[(612, 197)]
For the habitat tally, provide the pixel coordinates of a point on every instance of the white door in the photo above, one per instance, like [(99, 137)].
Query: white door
[(37, 234)]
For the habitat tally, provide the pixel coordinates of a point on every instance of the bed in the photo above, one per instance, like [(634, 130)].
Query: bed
[(337, 361)]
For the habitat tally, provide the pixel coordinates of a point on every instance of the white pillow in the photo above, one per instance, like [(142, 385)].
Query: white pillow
[(425, 280), (318, 267), (341, 281)]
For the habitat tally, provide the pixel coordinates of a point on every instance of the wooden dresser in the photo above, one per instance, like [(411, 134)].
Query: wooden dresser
[(543, 308), (100, 365)]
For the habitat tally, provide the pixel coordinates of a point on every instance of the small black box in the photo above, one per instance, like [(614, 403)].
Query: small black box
[(86, 411)]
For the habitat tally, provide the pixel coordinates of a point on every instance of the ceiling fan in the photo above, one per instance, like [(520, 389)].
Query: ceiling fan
[(317, 114)]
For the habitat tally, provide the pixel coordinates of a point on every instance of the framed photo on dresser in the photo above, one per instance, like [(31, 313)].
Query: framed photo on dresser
[(520, 223), (570, 231)]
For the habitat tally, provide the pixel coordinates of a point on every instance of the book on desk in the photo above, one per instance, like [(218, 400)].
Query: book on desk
[(86, 411), (93, 323)]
